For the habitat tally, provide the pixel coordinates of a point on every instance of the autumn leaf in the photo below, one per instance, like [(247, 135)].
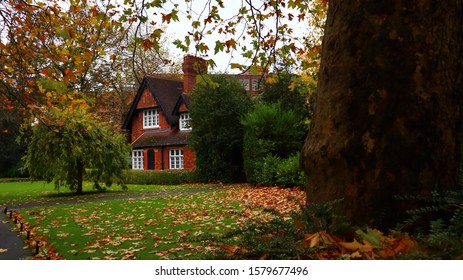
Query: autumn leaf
[(166, 17), (147, 44), (271, 79), (356, 246), (231, 250), (230, 44), (3, 250), (373, 236)]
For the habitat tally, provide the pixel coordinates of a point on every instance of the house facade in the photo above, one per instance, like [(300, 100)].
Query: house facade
[(158, 118)]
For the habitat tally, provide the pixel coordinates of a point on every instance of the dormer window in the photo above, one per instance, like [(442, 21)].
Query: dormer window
[(184, 121), (151, 118)]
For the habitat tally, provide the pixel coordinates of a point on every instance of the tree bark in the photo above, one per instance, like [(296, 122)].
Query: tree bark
[(387, 112), (80, 177)]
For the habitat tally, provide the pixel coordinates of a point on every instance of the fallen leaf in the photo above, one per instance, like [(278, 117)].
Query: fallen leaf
[(3, 250), (231, 249), (356, 246)]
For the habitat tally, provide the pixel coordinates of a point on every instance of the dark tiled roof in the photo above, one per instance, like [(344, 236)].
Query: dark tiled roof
[(161, 139), (183, 99), (166, 92)]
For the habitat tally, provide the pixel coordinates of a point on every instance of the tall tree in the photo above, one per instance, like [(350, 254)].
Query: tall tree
[(50, 52), (387, 116), (218, 104)]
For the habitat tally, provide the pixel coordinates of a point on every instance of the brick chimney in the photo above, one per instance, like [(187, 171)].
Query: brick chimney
[(192, 66)]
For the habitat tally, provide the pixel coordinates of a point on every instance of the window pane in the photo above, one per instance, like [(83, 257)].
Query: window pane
[(137, 159), (176, 159), (150, 118)]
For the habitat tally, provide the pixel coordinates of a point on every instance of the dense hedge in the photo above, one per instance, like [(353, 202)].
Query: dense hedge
[(164, 177), (273, 170), (219, 102), (271, 134)]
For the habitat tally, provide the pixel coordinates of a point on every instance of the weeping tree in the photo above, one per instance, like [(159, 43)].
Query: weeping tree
[(387, 117), (72, 144)]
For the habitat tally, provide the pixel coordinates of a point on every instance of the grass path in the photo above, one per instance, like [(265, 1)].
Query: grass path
[(66, 199), (16, 195)]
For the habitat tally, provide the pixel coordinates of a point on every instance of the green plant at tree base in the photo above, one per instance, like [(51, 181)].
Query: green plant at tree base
[(438, 223)]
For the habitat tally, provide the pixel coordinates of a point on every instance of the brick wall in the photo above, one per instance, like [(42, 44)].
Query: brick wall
[(188, 157), (146, 101)]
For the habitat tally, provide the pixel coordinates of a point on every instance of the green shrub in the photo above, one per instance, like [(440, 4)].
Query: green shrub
[(289, 173), (218, 104), (164, 177), (266, 171), (270, 130), (273, 170)]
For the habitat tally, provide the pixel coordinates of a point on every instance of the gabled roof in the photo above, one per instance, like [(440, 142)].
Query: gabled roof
[(166, 92), (183, 99)]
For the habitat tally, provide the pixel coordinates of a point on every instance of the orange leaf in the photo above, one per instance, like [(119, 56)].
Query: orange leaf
[(147, 44), (166, 17), (356, 246), (231, 249)]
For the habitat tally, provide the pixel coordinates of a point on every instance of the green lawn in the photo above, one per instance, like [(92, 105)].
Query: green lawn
[(135, 228), (174, 226), (156, 227)]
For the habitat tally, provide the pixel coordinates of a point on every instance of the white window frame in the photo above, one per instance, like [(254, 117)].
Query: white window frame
[(184, 122), (138, 160), (245, 83), (176, 159), (151, 118)]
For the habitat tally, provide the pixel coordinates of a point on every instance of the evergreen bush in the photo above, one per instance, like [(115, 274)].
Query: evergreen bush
[(289, 173), (219, 102), (269, 130)]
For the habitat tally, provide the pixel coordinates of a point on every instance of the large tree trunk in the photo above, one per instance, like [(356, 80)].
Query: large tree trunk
[(387, 113), (80, 177)]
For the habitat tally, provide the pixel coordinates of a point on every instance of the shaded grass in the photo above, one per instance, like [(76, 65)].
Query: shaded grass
[(18, 193)]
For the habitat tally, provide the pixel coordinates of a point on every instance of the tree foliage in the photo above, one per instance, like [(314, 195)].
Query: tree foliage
[(10, 155), (290, 92), (50, 54), (76, 143), (262, 31), (219, 102)]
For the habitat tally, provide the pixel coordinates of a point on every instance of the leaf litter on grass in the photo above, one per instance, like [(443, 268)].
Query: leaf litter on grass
[(157, 227)]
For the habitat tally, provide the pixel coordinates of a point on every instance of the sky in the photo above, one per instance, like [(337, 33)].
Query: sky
[(178, 30)]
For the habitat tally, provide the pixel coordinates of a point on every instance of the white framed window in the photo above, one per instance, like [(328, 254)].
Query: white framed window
[(185, 122), (176, 159), (245, 83), (137, 159), (150, 118)]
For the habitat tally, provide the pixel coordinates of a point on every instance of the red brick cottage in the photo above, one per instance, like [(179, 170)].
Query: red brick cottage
[(158, 118)]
